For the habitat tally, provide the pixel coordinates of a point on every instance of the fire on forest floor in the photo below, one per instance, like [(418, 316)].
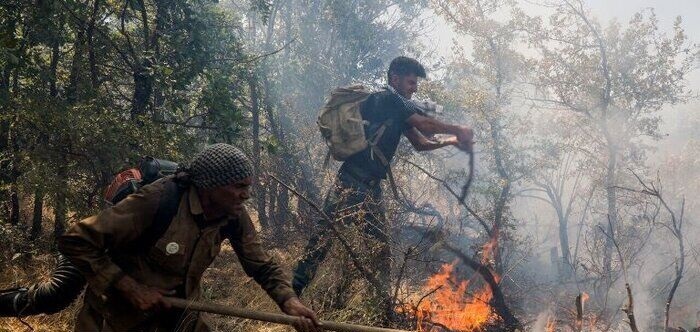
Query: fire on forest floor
[(452, 304)]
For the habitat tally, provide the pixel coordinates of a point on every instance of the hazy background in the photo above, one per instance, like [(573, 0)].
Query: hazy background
[(255, 73), (680, 129)]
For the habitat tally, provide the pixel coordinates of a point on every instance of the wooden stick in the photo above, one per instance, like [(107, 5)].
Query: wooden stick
[(268, 316)]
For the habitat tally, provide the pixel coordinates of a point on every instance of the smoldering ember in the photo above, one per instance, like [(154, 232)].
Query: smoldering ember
[(384, 165)]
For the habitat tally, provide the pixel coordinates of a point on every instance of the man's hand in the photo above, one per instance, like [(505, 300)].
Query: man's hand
[(451, 140), (465, 136), (141, 296), (308, 322)]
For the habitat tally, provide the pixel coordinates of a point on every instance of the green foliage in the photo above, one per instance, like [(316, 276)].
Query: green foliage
[(93, 86)]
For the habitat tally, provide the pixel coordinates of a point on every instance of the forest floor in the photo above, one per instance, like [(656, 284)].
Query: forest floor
[(224, 283), (25, 262)]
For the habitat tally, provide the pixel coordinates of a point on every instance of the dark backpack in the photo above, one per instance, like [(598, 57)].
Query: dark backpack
[(131, 180)]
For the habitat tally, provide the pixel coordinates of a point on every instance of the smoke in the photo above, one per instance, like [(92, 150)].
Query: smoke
[(329, 52)]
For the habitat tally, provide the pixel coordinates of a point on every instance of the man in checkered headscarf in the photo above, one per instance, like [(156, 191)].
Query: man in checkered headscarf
[(127, 277), (219, 165), (223, 176)]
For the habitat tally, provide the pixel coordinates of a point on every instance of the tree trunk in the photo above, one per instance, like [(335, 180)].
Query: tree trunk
[(564, 244), (14, 203), (159, 26), (273, 192), (76, 66), (499, 211), (73, 95), (143, 70), (143, 87), (500, 306), (94, 78), (59, 215), (14, 172), (61, 204), (503, 198), (611, 196), (9, 33), (8, 198), (680, 265), (282, 213), (38, 216), (677, 280), (55, 48), (279, 197), (260, 192), (611, 225)]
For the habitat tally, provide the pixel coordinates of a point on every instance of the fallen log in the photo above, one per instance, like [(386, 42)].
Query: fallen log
[(268, 316)]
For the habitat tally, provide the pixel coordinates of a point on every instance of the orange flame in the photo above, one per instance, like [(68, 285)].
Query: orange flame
[(487, 251), (451, 305), (551, 325), (584, 297)]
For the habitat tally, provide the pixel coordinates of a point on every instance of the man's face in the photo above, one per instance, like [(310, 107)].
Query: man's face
[(231, 198), (405, 85)]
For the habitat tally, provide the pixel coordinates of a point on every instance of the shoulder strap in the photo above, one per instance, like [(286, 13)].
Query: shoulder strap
[(380, 155), (376, 151), (167, 209)]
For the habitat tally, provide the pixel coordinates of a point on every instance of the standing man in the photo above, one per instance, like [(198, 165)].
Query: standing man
[(357, 186), (132, 256)]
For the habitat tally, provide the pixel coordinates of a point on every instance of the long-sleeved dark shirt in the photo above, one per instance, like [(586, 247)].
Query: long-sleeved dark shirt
[(102, 247)]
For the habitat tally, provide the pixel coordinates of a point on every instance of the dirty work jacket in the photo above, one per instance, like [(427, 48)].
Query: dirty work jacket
[(101, 247)]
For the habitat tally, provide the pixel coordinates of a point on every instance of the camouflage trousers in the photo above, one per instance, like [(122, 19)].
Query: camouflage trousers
[(353, 202)]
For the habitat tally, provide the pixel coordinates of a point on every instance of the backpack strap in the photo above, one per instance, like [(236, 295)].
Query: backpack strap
[(374, 150), (385, 162), (167, 209)]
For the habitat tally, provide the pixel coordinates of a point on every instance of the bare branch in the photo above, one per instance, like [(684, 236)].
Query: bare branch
[(444, 183), (346, 245)]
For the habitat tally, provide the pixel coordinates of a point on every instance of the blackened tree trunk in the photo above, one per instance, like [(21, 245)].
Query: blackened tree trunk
[(677, 231), (564, 244), (14, 203), (38, 215), (500, 306)]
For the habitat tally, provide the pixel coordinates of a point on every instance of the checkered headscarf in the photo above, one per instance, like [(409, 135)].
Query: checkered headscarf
[(219, 165)]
